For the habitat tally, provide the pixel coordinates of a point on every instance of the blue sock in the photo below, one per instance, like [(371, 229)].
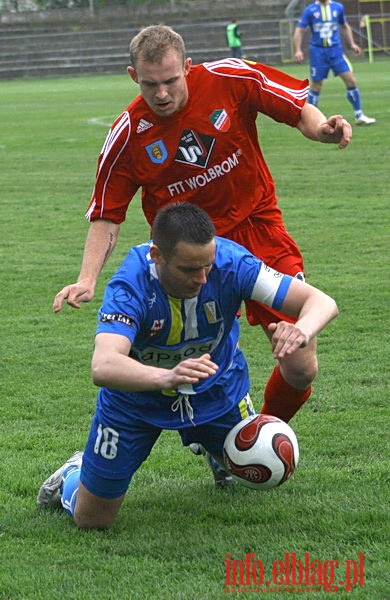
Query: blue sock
[(70, 484), (313, 98), (353, 95)]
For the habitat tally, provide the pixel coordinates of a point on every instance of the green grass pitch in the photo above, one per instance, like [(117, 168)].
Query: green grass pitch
[(175, 530)]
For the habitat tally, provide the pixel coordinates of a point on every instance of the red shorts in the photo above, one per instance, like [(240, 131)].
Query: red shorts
[(276, 248)]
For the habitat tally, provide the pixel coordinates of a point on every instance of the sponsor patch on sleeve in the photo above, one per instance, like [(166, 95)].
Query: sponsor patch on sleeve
[(116, 317)]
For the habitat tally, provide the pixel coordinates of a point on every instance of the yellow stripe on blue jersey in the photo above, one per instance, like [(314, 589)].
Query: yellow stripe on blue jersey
[(190, 326), (176, 321), (175, 331), (246, 407), (326, 15)]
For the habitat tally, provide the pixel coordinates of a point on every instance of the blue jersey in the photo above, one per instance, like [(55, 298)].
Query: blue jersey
[(324, 21), (164, 331)]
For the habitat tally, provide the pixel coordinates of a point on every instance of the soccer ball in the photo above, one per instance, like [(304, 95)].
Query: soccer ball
[(261, 452)]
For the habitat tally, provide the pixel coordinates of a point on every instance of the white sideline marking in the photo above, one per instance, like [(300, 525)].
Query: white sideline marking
[(105, 121)]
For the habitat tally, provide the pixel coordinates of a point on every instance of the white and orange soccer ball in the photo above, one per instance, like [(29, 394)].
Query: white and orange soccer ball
[(261, 452)]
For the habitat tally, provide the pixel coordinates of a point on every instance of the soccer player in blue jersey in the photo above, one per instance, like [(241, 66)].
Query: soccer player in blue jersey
[(166, 356), (325, 18)]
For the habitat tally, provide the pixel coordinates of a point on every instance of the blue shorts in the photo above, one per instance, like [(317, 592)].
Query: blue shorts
[(114, 453), (324, 59)]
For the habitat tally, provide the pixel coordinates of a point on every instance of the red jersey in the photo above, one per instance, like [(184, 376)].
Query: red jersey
[(207, 153)]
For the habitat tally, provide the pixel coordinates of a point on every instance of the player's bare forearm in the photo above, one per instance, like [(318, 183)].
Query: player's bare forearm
[(112, 367), (298, 37), (348, 35), (329, 130), (100, 243)]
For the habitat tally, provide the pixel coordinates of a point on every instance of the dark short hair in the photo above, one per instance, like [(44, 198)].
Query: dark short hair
[(181, 222)]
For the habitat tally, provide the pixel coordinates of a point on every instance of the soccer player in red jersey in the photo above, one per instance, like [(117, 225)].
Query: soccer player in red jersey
[(191, 136)]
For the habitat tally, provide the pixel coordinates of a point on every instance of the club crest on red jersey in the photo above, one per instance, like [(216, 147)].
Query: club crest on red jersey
[(220, 119), (194, 148), (157, 152)]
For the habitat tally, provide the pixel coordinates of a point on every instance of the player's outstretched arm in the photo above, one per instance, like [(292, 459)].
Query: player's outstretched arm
[(113, 367), (100, 243), (332, 130)]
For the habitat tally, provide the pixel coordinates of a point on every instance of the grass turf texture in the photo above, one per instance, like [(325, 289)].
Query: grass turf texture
[(174, 530)]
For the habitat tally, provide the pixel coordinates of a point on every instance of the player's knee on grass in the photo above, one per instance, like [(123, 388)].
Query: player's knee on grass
[(92, 512)]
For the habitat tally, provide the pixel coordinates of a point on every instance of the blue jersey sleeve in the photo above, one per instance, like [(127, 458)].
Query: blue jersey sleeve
[(120, 312), (126, 295), (304, 19), (342, 17)]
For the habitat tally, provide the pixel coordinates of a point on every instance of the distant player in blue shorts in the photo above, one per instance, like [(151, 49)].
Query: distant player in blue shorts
[(167, 356), (325, 18)]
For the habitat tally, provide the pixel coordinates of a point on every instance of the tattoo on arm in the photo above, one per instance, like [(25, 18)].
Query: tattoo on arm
[(109, 248)]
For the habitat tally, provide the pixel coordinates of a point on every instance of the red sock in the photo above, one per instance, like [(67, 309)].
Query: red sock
[(281, 399)]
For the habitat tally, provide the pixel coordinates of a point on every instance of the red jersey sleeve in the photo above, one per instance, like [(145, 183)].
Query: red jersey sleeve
[(114, 187), (271, 91)]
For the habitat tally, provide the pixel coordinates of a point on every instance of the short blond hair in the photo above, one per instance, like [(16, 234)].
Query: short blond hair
[(152, 43)]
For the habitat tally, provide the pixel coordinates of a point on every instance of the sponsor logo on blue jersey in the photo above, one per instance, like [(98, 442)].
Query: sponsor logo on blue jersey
[(110, 317)]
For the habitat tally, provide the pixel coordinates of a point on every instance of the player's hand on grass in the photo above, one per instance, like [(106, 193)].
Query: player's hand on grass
[(336, 130), (286, 338), (191, 370), (74, 294)]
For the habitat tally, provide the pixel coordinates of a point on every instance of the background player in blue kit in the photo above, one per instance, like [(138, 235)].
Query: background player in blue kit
[(325, 18), (166, 356)]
